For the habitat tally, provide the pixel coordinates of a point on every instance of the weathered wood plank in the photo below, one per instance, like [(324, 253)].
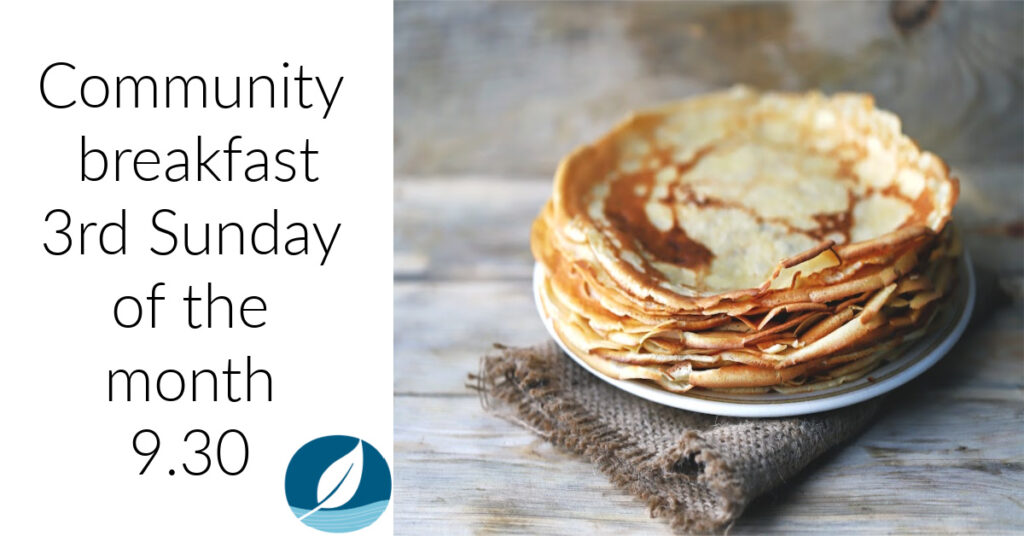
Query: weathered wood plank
[(510, 87), (479, 227), (442, 328), (945, 458), (459, 470), (493, 89), (465, 229)]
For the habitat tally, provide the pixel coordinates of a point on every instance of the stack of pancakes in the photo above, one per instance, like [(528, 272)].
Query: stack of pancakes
[(747, 242)]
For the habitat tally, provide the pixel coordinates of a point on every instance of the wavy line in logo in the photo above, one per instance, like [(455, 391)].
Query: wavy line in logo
[(338, 484)]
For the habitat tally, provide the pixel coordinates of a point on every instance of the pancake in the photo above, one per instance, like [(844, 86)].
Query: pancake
[(747, 241), (711, 198), (818, 355)]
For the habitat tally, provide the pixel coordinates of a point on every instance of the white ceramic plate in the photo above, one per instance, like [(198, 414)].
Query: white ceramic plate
[(909, 361)]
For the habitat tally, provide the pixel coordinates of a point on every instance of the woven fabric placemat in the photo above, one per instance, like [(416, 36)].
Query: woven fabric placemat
[(699, 471)]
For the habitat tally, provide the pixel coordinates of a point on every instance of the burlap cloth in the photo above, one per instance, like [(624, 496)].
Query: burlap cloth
[(699, 471)]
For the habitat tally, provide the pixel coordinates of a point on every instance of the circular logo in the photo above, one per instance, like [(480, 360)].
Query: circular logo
[(338, 484)]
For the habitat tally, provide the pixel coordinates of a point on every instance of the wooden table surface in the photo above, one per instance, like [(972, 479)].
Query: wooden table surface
[(484, 110), (947, 455)]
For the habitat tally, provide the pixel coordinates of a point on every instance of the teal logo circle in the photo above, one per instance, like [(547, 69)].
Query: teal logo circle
[(338, 484)]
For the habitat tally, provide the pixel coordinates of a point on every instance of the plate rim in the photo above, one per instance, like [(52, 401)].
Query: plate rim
[(783, 408)]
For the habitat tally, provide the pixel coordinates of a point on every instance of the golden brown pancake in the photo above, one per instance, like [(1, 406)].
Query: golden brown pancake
[(706, 199), (743, 240)]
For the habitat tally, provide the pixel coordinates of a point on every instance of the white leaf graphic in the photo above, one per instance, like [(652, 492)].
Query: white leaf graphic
[(340, 481)]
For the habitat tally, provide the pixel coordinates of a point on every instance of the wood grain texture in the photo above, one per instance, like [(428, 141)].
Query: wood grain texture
[(459, 470), (442, 328), (510, 87), (478, 228), (436, 236), (489, 96), (946, 457)]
